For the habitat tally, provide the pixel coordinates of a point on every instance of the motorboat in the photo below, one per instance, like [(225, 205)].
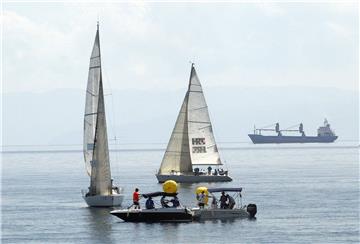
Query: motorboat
[(170, 211), (232, 208)]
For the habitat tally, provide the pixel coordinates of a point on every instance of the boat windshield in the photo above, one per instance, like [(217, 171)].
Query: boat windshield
[(213, 190), (159, 194)]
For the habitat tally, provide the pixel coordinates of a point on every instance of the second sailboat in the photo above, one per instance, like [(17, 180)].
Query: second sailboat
[(192, 143)]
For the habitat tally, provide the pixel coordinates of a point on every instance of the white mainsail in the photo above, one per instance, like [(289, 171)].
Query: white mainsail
[(203, 147), (96, 152), (192, 141)]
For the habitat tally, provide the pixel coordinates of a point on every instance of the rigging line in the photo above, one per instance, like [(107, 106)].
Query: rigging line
[(263, 127), (112, 121), (92, 94), (293, 126), (194, 109)]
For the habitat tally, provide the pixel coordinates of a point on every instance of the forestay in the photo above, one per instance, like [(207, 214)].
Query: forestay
[(96, 152)]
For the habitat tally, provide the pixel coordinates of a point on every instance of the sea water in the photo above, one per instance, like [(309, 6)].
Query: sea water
[(304, 194)]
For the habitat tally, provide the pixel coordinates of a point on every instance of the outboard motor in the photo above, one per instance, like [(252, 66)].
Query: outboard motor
[(251, 209)]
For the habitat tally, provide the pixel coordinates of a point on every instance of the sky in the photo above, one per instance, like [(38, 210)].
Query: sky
[(46, 46), (259, 63)]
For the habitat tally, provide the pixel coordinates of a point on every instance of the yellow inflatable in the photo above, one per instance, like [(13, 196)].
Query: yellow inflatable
[(170, 186), (201, 189)]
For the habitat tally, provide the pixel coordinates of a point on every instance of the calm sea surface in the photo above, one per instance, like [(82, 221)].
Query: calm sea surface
[(304, 194)]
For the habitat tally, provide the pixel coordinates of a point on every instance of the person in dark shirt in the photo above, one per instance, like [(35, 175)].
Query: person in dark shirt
[(209, 170), (149, 203), (223, 200)]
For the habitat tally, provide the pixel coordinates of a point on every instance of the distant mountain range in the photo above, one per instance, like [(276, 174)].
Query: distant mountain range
[(139, 116)]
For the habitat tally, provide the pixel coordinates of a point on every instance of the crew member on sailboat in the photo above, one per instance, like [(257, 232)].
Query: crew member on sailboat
[(192, 141)]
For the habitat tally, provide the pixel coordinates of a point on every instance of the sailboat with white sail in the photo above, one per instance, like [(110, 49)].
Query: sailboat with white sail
[(102, 192), (192, 143)]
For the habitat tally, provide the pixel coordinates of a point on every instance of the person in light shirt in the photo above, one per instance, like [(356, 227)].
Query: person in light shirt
[(201, 199)]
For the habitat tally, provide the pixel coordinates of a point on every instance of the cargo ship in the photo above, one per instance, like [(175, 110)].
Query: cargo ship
[(324, 135)]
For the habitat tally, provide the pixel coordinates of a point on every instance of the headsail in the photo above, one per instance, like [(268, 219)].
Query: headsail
[(177, 156), (203, 148), (96, 152)]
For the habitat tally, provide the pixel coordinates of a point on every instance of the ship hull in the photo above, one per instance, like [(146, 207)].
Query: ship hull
[(261, 139)]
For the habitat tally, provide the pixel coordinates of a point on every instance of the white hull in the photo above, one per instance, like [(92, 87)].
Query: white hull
[(104, 201), (193, 178), (218, 213)]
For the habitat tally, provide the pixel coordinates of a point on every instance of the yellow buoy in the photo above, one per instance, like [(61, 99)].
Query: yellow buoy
[(170, 186), (201, 189)]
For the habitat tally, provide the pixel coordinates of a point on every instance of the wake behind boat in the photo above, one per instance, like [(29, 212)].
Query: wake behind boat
[(192, 142), (101, 192)]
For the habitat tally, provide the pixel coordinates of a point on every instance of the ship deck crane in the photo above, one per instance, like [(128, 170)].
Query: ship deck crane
[(277, 129)]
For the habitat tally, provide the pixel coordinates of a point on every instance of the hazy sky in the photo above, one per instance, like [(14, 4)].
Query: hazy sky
[(148, 45)]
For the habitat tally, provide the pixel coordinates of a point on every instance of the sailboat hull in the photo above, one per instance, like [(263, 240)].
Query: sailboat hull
[(193, 178), (104, 201)]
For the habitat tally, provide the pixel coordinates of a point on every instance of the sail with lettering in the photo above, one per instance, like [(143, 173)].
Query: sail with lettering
[(192, 142), (203, 148)]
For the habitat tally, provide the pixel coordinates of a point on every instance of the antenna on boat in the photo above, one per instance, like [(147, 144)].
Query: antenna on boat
[(97, 22)]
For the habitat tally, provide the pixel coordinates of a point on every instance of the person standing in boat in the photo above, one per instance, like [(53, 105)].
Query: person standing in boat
[(201, 199), (223, 200), (231, 203), (209, 170), (136, 198)]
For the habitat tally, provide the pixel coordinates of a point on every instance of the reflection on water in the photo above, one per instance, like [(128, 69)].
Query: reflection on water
[(99, 224)]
